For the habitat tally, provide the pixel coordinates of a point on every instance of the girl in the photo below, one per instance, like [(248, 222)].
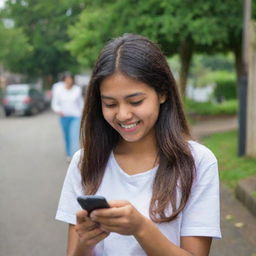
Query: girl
[(161, 186), (68, 103)]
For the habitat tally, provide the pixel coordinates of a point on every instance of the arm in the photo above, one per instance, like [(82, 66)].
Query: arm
[(190, 246), (124, 219), (55, 101)]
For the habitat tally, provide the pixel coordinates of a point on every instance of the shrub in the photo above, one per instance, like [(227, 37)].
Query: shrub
[(228, 107), (225, 86)]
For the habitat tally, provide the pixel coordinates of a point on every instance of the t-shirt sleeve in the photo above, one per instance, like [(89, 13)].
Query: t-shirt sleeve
[(68, 205), (201, 216)]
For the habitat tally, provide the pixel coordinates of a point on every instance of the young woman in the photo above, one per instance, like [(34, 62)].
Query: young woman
[(68, 103), (162, 187)]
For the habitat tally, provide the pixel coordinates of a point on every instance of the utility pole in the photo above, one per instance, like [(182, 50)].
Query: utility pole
[(244, 81), (251, 94)]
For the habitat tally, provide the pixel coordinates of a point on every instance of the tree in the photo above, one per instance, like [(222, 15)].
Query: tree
[(182, 27), (14, 47), (44, 24)]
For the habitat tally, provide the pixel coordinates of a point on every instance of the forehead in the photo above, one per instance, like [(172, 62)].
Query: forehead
[(120, 85)]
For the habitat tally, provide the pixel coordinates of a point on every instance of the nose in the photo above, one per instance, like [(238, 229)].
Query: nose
[(124, 113)]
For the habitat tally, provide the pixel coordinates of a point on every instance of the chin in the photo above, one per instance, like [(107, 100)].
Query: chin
[(129, 139)]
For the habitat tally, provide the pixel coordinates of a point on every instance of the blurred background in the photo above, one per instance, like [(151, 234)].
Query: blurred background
[(211, 49)]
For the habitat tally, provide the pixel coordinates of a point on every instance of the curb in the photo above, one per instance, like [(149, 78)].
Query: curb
[(246, 192)]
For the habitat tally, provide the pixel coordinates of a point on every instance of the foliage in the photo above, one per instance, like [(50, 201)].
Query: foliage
[(44, 24), (206, 24), (204, 67), (225, 85), (14, 47), (232, 168), (218, 61), (229, 107)]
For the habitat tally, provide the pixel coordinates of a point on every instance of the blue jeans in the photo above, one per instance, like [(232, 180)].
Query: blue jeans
[(70, 127)]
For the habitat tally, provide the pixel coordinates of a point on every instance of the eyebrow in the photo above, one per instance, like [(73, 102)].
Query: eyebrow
[(126, 97)]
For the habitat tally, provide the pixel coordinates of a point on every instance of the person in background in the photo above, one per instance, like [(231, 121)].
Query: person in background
[(67, 102), (162, 187)]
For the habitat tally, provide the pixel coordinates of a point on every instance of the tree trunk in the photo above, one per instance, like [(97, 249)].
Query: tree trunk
[(48, 81), (185, 54)]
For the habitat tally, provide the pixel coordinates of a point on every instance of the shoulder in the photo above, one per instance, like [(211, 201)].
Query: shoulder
[(58, 87), (206, 165), (201, 154), (77, 88)]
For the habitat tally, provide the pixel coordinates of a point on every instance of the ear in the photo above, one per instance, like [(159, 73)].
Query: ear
[(162, 98)]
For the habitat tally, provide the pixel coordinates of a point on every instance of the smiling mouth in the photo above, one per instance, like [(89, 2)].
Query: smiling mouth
[(129, 126)]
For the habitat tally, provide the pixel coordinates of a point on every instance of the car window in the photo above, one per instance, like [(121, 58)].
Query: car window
[(21, 91)]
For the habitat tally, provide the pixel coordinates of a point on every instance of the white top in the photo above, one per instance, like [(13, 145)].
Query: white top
[(55, 86), (199, 218), (67, 101)]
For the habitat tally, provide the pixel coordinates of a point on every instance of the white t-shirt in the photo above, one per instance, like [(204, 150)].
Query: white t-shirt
[(200, 217), (69, 102)]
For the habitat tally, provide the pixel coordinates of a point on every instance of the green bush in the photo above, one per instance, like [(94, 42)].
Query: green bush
[(228, 107), (225, 85)]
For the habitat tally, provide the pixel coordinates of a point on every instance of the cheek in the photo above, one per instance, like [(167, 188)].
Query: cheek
[(151, 113), (107, 115)]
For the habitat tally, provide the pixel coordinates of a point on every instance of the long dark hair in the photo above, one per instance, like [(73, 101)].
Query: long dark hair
[(138, 58)]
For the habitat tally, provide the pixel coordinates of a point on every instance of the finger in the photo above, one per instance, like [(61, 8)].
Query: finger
[(89, 234), (113, 222), (87, 226), (109, 229), (81, 216), (114, 212), (118, 203), (97, 238)]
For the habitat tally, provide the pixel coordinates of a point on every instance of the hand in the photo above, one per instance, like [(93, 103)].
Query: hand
[(122, 217), (88, 231)]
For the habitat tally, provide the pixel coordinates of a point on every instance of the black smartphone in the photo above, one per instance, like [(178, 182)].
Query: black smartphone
[(92, 202)]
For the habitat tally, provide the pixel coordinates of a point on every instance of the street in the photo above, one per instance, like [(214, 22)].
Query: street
[(32, 167)]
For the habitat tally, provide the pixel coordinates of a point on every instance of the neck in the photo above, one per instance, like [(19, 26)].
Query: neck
[(68, 86), (146, 146)]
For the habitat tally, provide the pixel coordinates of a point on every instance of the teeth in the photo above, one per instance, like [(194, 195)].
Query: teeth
[(128, 126)]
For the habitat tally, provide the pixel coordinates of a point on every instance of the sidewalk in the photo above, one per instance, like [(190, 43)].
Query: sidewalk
[(238, 225)]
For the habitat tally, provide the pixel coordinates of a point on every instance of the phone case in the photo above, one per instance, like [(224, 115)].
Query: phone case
[(90, 203)]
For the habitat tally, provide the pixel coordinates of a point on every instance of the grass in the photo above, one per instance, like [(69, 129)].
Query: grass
[(232, 168), (207, 108), (254, 194)]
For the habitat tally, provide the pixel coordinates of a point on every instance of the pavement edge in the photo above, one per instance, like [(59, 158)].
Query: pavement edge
[(246, 192)]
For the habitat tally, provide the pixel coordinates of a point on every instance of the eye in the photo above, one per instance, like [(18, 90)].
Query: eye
[(109, 105), (136, 103)]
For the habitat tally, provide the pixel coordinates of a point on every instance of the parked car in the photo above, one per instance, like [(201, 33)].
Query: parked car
[(23, 99)]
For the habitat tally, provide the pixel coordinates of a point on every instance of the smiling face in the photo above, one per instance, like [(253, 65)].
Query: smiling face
[(130, 107)]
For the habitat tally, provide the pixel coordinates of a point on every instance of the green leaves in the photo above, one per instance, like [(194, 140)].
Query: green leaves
[(208, 24), (44, 25), (14, 47)]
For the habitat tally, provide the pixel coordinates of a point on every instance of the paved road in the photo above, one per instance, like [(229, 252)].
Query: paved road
[(33, 166), (32, 169)]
